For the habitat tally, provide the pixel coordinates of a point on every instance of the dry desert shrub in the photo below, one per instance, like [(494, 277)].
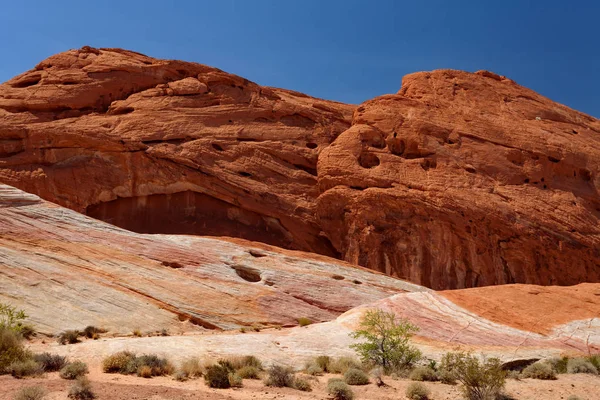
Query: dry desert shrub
[(50, 362), (539, 370), (217, 376), (25, 368), (355, 376), (302, 385), (417, 391), (30, 393), (339, 390), (423, 374), (581, 366), (73, 370), (280, 376), (81, 390)]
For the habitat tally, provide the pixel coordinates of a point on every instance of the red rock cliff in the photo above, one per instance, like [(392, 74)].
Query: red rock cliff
[(457, 180)]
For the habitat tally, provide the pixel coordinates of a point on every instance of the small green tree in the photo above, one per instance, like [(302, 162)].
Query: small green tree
[(386, 340), (11, 318)]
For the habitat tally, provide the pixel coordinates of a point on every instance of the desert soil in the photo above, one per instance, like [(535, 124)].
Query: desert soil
[(121, 387)]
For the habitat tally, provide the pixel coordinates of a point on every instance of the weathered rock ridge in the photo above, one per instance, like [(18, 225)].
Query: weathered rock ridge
[(67, 270), (458, 180)]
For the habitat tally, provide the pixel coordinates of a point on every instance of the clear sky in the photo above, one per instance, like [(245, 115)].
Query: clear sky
[(343, 50)]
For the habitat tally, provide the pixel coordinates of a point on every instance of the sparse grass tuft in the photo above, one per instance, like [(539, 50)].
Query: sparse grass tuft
[(303, 321), (417, 391), (30, 393), (313, 369), (249, 372), (73, 370), (342, 364), (144, 371), (191, 368)]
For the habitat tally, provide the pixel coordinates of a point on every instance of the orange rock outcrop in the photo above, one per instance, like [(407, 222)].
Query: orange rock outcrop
[(458, 180)]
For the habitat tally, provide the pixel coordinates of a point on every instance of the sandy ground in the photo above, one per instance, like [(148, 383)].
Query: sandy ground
[(120, 387)]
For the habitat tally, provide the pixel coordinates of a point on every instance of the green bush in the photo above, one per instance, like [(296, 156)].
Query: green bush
[(50, 362), (81, 390), (339, 390), (302, 385), (386, 341), (118, 362), (423, 374), (217, 376), (481, 380), (279, 376), (581, 366), (539, 370), (417, 391), (342, 364), (25, 368), (235, 380), (30, 393), (69, 336), (191, 368), (73, 370), (12, 319), (355, 376), (558, 365), (249, 372), (11, 349), (303, 321)]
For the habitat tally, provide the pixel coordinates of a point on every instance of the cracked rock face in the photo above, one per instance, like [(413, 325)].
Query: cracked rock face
[(458, 180)]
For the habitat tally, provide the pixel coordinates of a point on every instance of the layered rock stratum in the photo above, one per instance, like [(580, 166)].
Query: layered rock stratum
[(67, 270), (458, 180)]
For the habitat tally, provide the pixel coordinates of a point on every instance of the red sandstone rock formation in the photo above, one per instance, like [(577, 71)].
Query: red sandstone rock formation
[(161, 146), (463, 180), (458, 180)]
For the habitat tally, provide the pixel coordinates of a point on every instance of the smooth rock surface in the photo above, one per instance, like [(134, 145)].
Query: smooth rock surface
[(68, 271)]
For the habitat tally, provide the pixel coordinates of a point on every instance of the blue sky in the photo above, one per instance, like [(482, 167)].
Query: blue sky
[(341, 50)]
